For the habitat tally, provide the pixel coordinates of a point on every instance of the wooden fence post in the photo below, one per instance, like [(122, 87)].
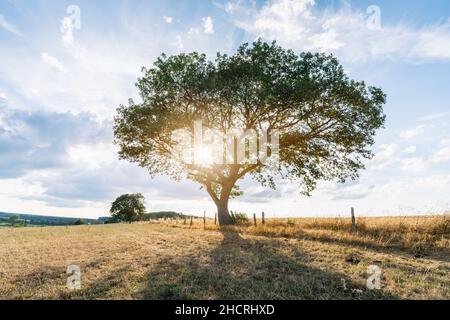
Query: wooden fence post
[(254, 219), (263, 218), (353, 220), (191, 221), (204, 218), (215, 218)]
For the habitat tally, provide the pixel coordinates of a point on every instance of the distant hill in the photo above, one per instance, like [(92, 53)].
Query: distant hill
[(36, 220)]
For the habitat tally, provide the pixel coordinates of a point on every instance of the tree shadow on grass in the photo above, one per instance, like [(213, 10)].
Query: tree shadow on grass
[(428, 252), (31, 285), (249, 269), (114, 285), (238, 268)]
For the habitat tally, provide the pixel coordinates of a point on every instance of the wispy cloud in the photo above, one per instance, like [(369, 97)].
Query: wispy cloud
[(53, 62), (301, 25), (435, 116), (9, 27), (412, 133)]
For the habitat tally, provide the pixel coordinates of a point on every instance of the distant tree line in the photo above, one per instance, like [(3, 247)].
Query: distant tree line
[(14, 221), (37, 220)]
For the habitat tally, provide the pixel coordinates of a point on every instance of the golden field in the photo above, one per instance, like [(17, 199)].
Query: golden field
[(283, 259)]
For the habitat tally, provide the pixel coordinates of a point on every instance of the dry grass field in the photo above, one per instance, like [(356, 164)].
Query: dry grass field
[(283, 259)]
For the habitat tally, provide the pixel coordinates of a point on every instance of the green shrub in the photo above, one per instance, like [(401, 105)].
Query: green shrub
[(239, 218)]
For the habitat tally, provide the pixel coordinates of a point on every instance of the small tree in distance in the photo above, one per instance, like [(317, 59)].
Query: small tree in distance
[(128, 208)]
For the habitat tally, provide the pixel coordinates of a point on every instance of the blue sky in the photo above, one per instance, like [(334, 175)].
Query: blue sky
[(60, 86)]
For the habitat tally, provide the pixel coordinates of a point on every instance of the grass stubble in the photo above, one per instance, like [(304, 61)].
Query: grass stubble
[(301, 258)]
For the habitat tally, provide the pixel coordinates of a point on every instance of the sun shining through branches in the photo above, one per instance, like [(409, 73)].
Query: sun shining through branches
[(204, 155), (324, 121)]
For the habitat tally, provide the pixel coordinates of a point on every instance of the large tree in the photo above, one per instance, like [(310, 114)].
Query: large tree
[(326, 121)]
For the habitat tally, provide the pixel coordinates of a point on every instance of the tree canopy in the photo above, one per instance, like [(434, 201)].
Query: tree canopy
[(128, 208), (325, 121)]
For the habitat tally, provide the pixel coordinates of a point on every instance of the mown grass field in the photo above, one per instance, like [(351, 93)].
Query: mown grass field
[(295, 259)]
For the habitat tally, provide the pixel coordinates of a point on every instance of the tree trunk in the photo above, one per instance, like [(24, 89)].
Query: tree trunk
[(223, 214), (222, 203)]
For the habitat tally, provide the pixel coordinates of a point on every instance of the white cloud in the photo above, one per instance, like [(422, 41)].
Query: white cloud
[(52, 62), (425, 194), (94, 156), (101, 77), (230, 7), (193, 31), (414, 164), (300, 25), (9, 27), (442, 155), (208, 25), (409, 134), (236, 6), (281, 19), (410, 149), (432, 43), (168, 19), (99, 80), (394, 156), (386, 156), (350, 190)]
